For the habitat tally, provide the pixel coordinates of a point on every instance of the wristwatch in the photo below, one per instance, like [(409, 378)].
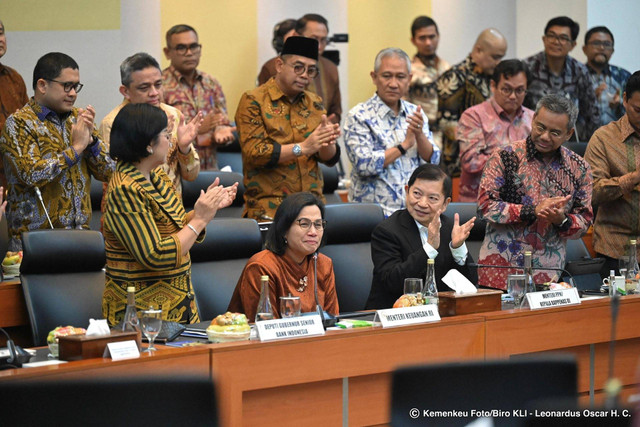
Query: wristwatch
[(297, 150)]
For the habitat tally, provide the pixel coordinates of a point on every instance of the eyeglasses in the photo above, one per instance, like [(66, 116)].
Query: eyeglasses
[(603, 45), (183, 48), (562, 39), (305, 223), (299, 69), (507, 91), (67, 86)]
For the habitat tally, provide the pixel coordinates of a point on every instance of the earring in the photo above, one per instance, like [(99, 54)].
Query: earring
[(285, 241)]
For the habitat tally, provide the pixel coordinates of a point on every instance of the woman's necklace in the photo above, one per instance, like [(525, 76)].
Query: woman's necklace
[(303, 284)]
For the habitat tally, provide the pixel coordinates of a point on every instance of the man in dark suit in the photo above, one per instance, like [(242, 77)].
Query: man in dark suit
[(401, 244)]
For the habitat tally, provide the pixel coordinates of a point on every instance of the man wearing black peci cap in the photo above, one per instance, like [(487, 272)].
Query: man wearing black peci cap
[(284, 133)]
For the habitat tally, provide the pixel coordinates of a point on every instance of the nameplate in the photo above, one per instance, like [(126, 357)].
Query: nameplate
[(292, 327), (547, 299), (123, 350), (408, 315)]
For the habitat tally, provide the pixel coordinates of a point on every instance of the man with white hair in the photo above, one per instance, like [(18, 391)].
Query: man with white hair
[(387, 137)]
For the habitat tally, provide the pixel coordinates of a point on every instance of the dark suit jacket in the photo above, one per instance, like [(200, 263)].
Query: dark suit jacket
[(397, 253)]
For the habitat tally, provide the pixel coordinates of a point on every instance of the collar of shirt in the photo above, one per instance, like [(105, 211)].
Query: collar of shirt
[(424, 232), (428, 62), (180, 77), (3, 69), (44, 113), (625, 128), (533, 153), (500, 111), (605, 71), (382, 109), (275, 93)]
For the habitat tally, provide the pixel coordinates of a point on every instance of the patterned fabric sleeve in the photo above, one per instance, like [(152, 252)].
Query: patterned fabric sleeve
[(365, 155), (606, 187), (470, 135), (258, 150), (101, 165), (496, 195), (588, 105), (130, 219), (580, 214), (21, 151), (330, 295)]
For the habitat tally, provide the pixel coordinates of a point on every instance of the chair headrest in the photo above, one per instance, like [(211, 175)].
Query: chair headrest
[(228, 238), (466, 211), (62, 251), (191, 189), (330, 177), (96, 193), (351, 222)]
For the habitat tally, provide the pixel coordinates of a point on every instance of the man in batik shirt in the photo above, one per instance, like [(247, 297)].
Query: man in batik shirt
[(284, 132), (487, 127), (191, 91), (554, 71), (386, 137), (463, 86), (608, 80), (141, 80), (534, 195), (52, 148), (426, 67)]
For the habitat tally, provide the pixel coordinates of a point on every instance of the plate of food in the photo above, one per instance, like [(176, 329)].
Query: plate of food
[(229, 327), (11, 264)]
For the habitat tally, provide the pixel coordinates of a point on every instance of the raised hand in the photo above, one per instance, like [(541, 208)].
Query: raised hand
[(553, 209), (188, 132), (460, 233), (3, 205), (324, 135), (223, 134), (434, 230), (82, 128)]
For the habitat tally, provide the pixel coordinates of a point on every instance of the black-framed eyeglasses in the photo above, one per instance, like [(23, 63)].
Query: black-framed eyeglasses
[(299, 69), (305, 223), (183, 48), (67, 86), (562, 39), (507, 91), (601, 44)]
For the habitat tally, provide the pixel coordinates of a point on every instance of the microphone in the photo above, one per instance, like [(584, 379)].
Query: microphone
[(327, 319), (17, 356), (613, 385), (39, 194)]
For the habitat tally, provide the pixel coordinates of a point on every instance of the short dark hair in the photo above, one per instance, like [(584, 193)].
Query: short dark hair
[(422, 22), (600, 29), (134, 129), (633, 84), (137, 62), (51, 65), (286, 214), (301, 23), (431, 172), (509, 68), (564, 21), (178, 29)]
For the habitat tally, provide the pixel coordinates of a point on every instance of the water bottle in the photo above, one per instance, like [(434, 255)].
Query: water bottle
[(131, 322), (264, 310), (430, 290)]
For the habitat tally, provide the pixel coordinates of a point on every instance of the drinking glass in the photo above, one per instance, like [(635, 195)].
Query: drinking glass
[(290, 306), (412, 286), (151, 324), (623, 264), (515, 287)]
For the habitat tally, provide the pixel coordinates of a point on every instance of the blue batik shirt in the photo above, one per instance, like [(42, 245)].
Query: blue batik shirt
[(616, 79), (370, 128)]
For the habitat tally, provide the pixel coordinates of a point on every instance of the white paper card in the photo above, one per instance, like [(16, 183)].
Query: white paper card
[(547, 299), (123, 350), (408, 315), (292, 327)]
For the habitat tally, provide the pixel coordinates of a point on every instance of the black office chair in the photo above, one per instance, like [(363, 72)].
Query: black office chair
[(348, 244), (133, 401), (62, 274), (4, 236), (96, 204), (216, 263), (331, 178), (231, 159), (577, 147), (481, 385), (466, 212), (191, 191)]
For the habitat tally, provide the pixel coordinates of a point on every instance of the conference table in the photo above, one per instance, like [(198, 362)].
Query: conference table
[(343, 377)]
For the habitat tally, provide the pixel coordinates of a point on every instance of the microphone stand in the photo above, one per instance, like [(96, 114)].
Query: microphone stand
[(327, 320), (613, 385), (39, 194)]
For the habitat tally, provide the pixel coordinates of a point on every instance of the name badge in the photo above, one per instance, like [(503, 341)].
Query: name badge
[(292, 327), (123, 350), (408, 315), (559, 298)]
